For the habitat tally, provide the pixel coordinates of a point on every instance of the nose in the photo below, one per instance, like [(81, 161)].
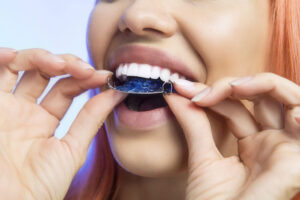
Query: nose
[(144, 17)]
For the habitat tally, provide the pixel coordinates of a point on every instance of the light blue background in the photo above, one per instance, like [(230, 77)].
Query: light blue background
[(58, 26)]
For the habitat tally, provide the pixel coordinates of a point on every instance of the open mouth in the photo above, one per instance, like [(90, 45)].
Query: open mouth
[(145, 85)]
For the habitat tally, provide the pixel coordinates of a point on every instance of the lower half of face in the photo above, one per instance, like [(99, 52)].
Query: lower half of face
[(149, 143), (214, 39)]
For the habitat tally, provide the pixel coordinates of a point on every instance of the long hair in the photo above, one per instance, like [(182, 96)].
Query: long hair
[(102, 181)]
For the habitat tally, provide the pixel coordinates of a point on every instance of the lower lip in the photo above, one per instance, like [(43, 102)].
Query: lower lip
[(145, 120)]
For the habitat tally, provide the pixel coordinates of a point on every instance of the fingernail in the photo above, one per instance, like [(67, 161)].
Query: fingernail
[(184, 83), (56, 59), (104, 72), (201, 95), (7, 50), (119, 95), (240, 81), (85, 65)]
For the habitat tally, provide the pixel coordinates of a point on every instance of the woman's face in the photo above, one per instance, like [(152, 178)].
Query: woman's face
[(204, 40)]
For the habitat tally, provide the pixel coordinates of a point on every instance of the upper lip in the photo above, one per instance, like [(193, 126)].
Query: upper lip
[(147, 55)]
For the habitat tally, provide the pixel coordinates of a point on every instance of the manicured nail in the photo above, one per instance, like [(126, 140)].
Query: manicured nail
[(104, 72), (184, 83), (240, 81), (201, 95), (85, 65), (7, 50)]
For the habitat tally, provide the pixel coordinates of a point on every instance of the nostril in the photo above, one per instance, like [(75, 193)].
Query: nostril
[(152, 30)]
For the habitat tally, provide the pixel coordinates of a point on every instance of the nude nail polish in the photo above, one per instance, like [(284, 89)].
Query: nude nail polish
[(184, 83), (7, 50), (85, 65), (201, 95), (240, 81)]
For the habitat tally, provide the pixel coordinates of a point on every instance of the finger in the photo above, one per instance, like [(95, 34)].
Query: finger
[(7, 55), (239, 120), (204, 95), (31, 85), (77, 67), (188, 88), (197, 130), (33, 59), (37, 59), (90, 119), (7, 79), (281, 89), (60, 97), (292, 121), (33, 82), (268, 112)]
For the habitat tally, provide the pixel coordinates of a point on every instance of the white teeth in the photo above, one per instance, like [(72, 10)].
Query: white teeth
[(173, 77), (182, 77), (124, 70), (165, 75), (132, 69), (144, 71), (119, 71), (155, 72)]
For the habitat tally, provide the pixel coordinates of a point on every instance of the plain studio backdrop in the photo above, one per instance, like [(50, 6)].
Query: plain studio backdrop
[(58, 26)]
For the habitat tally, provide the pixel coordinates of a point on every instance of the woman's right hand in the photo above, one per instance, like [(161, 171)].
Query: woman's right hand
[(267, 163), (33, 163)]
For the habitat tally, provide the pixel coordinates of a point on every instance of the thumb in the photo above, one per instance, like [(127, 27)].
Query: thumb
[(89, 120), (197, 130)]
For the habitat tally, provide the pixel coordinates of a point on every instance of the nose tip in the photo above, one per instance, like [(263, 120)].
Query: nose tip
[(146, 19)]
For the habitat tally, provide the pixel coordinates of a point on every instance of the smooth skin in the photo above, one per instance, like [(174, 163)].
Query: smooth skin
[(266, 166), (219, 41), (34, 164)]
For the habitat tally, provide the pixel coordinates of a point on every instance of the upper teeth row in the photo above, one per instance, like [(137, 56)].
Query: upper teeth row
[(146, 71)]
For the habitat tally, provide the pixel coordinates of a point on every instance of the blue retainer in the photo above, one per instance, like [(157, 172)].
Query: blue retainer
[(137, 85)]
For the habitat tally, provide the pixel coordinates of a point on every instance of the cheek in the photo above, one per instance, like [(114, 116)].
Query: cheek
[(102, 27), (155, 153), (231, 41)]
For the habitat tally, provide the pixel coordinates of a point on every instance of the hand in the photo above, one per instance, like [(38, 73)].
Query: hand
[(268, 162), (33, 163)]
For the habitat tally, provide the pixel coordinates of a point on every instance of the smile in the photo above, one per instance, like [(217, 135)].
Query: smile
[(142, 72)]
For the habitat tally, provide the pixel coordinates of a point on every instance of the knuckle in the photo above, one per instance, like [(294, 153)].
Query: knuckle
[(70, 57), (36, 52)]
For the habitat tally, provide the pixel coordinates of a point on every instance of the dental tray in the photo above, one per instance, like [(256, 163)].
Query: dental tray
[(137, 85)]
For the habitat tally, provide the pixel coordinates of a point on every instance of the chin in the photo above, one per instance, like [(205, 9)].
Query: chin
[(158, 150)]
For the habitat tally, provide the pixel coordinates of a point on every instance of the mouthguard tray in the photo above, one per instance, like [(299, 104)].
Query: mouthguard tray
[(137, 85)]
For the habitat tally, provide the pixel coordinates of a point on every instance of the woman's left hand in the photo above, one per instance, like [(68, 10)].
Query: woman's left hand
[(268, 162)]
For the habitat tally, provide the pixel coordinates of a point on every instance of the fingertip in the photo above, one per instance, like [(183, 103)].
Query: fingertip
[(184, 84), (7, 55), (105, 73), (240, 81), (115, 95), (199, 99)]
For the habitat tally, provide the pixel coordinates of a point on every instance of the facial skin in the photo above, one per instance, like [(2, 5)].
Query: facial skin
[(214, 38)]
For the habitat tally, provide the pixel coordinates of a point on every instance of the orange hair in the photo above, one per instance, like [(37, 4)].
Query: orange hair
[(285, 49), (102, 180)]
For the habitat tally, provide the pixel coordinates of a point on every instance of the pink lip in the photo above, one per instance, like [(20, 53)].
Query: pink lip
[(146, 55), (142, 121), (147, 120)]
